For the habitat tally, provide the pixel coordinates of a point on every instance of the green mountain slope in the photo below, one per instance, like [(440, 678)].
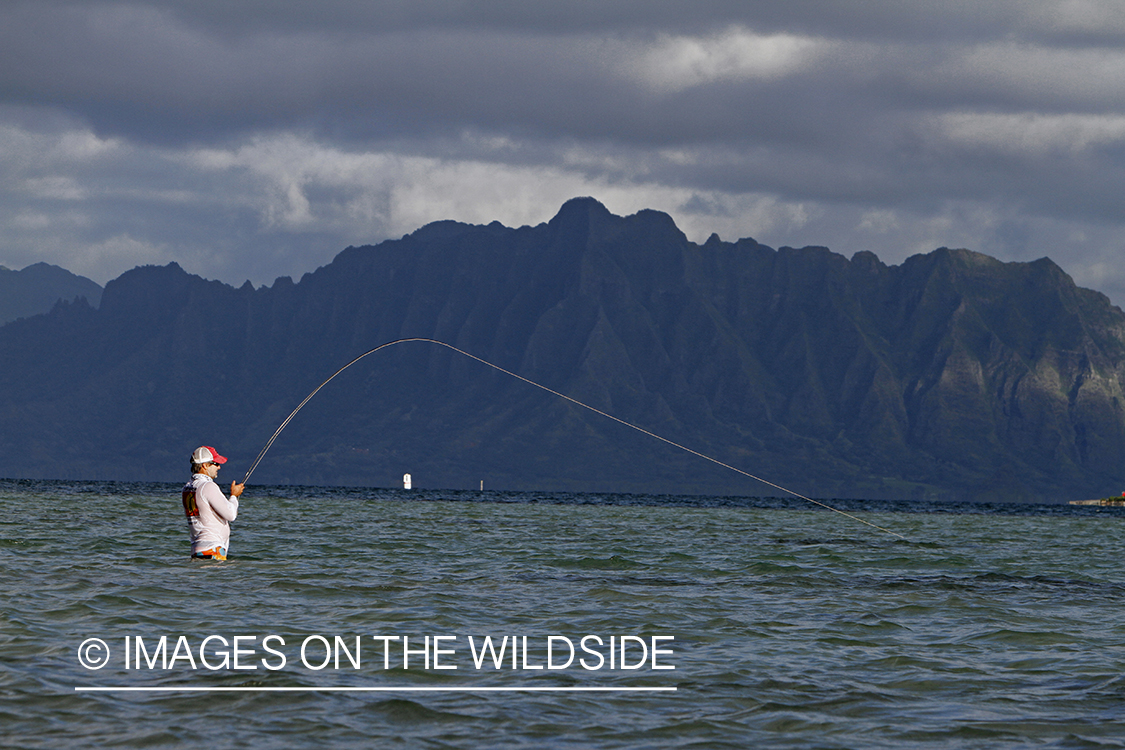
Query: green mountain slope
[(951, 375)]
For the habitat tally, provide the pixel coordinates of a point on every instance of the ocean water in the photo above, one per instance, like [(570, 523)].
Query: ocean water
[(787, 626)]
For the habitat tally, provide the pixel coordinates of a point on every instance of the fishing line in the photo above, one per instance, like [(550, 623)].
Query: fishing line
[(562, 396)]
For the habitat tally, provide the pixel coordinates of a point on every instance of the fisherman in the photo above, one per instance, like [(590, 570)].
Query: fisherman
[(209, 513)]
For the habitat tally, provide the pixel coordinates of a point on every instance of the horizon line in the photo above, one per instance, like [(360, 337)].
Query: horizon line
[(372, 689)]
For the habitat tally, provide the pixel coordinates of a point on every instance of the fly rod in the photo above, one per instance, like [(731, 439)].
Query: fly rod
[(576, 402)]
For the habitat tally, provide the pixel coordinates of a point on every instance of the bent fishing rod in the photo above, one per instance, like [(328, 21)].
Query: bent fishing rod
[(562, 396)]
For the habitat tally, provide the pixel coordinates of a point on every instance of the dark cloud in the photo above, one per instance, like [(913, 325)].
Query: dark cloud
[(1094, 22), (256, 138), (371, 69)]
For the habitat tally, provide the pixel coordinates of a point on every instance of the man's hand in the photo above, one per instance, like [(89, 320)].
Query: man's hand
[(236, 489)]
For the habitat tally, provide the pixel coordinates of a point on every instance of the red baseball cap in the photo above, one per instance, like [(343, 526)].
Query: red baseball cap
[(206, 455)]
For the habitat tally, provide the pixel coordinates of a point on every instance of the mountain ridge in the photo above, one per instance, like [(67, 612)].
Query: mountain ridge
[(950, 375), (36, 288)]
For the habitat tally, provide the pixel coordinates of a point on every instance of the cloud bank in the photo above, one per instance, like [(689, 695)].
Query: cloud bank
[(252, 140)]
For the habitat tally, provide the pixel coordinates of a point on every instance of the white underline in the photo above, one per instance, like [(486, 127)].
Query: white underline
[(517, 689)]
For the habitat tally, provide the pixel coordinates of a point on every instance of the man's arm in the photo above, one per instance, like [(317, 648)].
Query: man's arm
[(222, 507)]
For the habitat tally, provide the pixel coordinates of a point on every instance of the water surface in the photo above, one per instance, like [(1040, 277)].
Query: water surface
[(991, 626)]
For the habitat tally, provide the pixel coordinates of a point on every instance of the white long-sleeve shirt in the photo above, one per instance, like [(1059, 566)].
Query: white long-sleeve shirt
[(209, 513)]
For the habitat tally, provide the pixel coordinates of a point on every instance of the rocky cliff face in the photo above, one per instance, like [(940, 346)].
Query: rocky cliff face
[(952, 375)]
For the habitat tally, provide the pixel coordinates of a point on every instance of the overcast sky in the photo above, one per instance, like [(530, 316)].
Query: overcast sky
[(254, 139)]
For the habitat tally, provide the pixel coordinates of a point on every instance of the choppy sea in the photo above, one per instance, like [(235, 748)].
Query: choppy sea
[(694, 621)]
